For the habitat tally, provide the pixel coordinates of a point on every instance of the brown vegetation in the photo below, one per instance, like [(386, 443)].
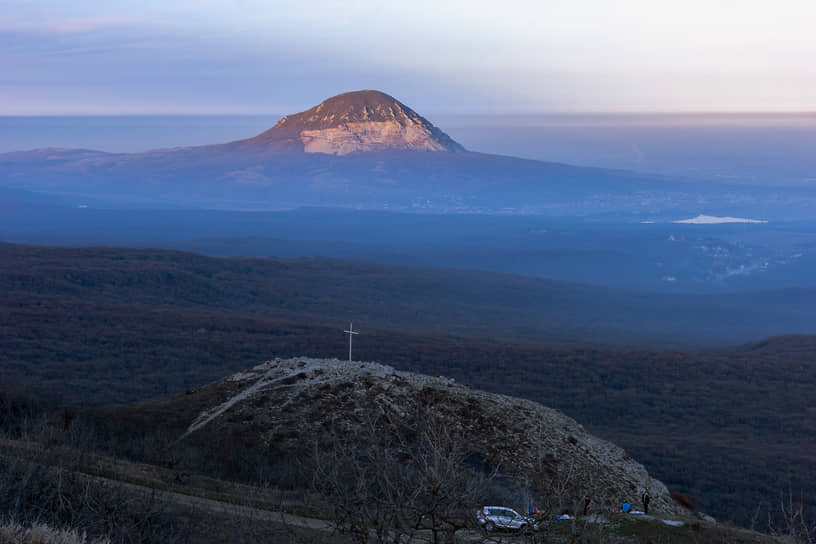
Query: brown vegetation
[(684, 501)]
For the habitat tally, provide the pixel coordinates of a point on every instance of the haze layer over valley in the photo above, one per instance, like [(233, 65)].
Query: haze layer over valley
[(367, 150)]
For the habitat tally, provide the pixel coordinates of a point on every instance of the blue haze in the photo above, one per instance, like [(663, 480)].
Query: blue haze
[(610, 250), (127, 134), (751, 148)]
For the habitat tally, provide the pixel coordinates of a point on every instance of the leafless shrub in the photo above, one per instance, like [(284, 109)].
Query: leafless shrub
[(393, 483), (791, 520), (33, 492)]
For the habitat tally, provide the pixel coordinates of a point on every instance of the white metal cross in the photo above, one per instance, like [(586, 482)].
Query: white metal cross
[(351, 332)]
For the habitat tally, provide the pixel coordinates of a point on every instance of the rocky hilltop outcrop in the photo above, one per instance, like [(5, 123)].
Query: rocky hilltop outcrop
[(290, 405), (354, 122)]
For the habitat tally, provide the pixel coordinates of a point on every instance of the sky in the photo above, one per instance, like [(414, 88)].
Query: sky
[(108, 57)]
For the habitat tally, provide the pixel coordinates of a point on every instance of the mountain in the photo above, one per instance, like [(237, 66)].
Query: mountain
[(352, 122), (291, 407), (366, 150)]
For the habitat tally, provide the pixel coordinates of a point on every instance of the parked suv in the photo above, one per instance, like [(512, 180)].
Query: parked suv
[(499, 517)]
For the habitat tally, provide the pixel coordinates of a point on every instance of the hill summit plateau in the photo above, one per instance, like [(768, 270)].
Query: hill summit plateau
[(353, 122)]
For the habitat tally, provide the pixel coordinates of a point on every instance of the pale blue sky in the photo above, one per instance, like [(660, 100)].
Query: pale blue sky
[(280, 56)]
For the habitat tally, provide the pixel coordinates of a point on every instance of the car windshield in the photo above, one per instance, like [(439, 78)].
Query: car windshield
[(501, 512)]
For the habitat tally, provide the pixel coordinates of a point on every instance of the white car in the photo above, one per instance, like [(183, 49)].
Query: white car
[(499, 517)]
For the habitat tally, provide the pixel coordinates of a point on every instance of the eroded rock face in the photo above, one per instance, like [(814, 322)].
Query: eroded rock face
[(358, 122), (283, 401), (374, 136)]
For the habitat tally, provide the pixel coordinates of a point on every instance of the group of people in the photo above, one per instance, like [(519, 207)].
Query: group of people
[(644, 498)]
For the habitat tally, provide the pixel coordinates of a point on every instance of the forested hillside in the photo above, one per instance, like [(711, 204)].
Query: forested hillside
[(730, 427)]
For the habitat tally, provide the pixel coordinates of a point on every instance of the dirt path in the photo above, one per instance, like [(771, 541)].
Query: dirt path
[(219, 507), (31, 452), (155, 483)]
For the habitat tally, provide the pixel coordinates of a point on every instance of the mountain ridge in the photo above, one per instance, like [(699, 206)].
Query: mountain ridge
[(414, 298), (366, 150)]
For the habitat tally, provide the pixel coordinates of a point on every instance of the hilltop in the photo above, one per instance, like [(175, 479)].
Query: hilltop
[(288, 406)]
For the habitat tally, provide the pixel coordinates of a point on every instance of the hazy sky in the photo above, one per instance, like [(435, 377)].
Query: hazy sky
[(498, 56)]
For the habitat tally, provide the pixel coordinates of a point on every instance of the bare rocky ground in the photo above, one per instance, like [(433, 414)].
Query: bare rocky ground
[(294, 403)]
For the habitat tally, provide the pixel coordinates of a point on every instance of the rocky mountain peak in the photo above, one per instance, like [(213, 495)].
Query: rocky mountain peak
[(354, 107), (356, 122)]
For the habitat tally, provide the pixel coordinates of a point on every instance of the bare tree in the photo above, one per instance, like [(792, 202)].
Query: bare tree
[(792, 521), (394, 482), (560, 487)]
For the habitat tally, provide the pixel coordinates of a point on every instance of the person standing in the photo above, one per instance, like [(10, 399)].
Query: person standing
[(645, 499), (587, 500)]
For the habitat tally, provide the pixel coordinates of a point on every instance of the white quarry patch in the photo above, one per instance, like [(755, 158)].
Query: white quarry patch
[(714, 220)]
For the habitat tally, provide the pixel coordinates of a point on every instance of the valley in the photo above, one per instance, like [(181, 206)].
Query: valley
[(607, 251), (74, 334)]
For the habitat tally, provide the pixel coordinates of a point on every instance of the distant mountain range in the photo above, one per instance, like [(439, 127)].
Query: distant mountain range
[(366, 150)]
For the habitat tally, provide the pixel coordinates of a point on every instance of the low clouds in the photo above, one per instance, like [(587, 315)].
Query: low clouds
[(477, 57)]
